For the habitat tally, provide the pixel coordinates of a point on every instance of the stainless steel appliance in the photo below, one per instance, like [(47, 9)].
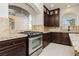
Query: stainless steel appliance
[(35, 42)]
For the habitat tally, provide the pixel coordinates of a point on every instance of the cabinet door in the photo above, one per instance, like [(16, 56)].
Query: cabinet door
[(48, 20), (66, 39), (56, 20), (61, 38), (46, 39), (45, 19), (52, 21), (18, 50), (56, 38)]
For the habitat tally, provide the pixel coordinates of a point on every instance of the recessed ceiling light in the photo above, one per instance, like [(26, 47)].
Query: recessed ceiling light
[(68, 6), (52, 5)]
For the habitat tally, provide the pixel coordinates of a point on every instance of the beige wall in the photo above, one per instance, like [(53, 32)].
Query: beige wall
[(3, 9), (4, 24), (39, 17)]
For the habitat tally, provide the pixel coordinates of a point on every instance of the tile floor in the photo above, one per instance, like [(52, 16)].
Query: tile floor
[(54, 49)]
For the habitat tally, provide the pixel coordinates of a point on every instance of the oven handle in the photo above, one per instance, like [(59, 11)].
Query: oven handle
[(34, 38)]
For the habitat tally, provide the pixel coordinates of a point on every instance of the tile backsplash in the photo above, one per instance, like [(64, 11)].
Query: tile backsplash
[(4, 26)]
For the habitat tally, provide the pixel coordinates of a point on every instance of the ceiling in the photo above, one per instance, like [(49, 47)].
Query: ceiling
[(59, 5)]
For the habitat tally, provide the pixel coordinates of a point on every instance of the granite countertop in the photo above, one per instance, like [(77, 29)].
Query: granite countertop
[(75, 41), (11, 36)]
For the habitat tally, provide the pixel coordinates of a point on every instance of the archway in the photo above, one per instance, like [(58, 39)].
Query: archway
[(19, 18)]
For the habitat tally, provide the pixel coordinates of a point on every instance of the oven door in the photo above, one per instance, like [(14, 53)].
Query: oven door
[(35, 43)]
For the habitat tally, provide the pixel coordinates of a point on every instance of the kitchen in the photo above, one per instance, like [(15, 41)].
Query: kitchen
[(29, 29)]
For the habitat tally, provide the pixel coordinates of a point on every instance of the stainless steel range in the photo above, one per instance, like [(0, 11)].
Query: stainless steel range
[(35, 42)]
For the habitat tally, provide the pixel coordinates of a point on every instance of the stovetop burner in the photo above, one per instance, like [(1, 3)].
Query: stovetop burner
[(31, 33)]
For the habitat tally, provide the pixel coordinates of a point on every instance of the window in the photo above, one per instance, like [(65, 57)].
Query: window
[(30, 21), (69, 19)]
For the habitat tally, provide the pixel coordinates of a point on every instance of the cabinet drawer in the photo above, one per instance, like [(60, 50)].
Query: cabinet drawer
[(5, 43), (12, 50), (8, 43)]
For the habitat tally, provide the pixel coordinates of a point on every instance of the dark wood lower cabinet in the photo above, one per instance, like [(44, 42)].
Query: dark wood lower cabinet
[(13, 47), (56, 37), (61, 38), (46, 39), (19, 46)]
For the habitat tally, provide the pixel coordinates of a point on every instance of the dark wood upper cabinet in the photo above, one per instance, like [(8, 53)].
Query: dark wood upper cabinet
[(54, 20), (54, 17), (46, 17), (51, 17)]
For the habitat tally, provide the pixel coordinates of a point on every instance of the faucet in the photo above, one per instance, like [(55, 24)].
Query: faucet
[(68, 28)]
